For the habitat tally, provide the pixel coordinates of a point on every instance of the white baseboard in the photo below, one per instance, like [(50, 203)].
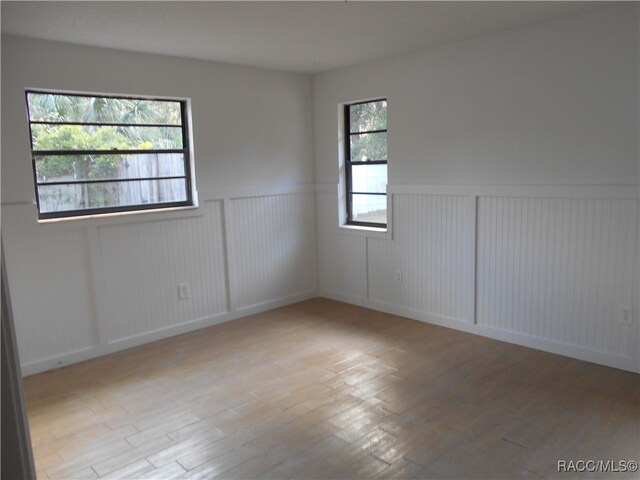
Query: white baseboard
[(94, 351), (539, 343)]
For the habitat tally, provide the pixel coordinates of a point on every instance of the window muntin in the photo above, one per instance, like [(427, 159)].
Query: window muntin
[(366, 163), (95, 154)]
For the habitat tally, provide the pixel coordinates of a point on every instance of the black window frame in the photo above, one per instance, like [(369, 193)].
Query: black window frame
[(349, 165), (88, 212)]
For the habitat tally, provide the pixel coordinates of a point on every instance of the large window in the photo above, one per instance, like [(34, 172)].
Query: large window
[(95, 154), (366, 163)]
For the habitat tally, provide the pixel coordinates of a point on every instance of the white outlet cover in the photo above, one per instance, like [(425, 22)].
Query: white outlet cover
[(183, 291)]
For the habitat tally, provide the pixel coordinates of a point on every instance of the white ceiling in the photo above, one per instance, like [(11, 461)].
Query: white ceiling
[(297, 36)]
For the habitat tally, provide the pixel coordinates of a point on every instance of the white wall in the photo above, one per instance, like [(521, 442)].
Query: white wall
[(554, 103), (514, 170), (88, 287)]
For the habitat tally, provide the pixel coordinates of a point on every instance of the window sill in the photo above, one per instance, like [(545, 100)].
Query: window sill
[(372, 232), (123, 218)]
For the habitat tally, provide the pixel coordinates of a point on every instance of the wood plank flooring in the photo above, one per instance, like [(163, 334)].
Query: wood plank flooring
[(322, 389)]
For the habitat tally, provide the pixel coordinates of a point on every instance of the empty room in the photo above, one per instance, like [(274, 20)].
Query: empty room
[(338, 240)]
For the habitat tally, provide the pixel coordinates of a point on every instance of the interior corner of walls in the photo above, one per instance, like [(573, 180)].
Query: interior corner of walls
[(277, 302), (274, 239), (316, 246), (352, 299)]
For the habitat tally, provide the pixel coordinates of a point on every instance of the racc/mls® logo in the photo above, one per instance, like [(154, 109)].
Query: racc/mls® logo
[(601, 466)]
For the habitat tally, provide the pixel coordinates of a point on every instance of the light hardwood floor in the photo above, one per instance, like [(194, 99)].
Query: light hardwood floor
[(322, 389)]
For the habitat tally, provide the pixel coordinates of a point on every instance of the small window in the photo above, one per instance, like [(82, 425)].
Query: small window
[(95, 154), (366, 163)]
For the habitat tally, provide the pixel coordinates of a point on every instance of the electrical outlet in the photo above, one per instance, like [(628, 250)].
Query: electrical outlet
[(626, 315), (399, 276), (183, 291)]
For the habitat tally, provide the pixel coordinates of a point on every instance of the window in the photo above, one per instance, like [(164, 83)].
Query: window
[(95, 154), (366, 163)]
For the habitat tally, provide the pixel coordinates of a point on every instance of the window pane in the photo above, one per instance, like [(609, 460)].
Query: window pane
[(369, 116), (369, 208), (60, 198), (51, 107), (90, 137), (369, 146), (369, 178), (61, 168)]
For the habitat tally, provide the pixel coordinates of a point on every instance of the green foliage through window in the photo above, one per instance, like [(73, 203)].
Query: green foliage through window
[(80, 139), (366, 163)]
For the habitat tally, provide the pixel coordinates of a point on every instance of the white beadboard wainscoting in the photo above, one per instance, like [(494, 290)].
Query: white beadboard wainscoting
[(274, 240), (84, 288), (543, 266), (549, 267)]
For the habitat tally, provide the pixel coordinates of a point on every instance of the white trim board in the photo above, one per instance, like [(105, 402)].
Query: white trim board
[(143, 216), (621, 192)]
